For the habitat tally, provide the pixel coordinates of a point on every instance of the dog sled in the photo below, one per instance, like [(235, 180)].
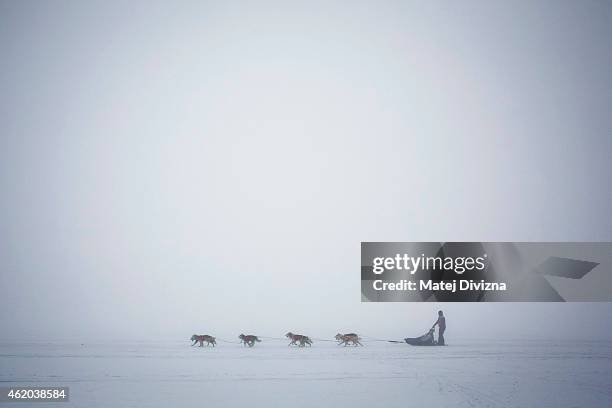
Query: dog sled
[(424, 340)]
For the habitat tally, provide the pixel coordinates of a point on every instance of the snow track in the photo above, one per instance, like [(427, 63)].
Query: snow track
[(470, 375)]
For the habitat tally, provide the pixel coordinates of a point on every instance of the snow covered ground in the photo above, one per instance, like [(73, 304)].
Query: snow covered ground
[(464, 374)]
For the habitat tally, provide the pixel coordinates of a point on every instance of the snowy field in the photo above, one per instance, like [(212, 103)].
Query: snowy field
[(465, 374)]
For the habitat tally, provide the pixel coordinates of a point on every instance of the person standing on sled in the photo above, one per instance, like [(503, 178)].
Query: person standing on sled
[(441, 323)]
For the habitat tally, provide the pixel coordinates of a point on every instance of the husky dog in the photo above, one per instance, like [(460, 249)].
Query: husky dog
[(298, 338), (201, 338), (348, 337), (248, 339)]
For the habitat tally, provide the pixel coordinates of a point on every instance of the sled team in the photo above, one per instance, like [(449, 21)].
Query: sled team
[(346, 339), (295, 339)]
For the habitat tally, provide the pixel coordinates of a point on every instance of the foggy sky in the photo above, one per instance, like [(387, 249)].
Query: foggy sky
[(169, 168)]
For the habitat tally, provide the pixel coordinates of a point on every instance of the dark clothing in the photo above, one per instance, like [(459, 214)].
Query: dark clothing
[(441, 328), (441, 335)]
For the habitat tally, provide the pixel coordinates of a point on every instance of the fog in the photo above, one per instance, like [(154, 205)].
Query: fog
[(169, 168)]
